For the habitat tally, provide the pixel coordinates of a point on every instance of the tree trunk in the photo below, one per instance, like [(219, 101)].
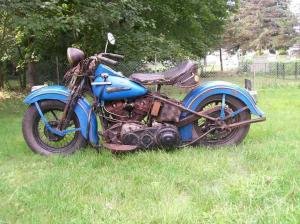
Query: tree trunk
[(31, 74), (1, 79), (1, 76), (22, 79), (21, 73), (221, 60)]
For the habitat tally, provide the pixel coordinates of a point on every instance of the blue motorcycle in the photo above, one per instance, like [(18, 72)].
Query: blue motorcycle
[(60, 119)]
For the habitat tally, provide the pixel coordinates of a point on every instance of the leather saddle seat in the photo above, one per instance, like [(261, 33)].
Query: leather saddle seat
[(183, 75)]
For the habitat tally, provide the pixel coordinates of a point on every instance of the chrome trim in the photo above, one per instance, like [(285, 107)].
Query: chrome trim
[(100, 83), (117, 89)]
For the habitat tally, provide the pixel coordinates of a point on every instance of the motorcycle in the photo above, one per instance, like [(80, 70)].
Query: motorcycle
[(60, 119)]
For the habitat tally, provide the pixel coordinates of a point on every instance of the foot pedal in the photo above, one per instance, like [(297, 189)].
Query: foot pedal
[(116, 148)]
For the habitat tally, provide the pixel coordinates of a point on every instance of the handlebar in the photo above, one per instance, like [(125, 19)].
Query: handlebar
[(107, 60), (117, 56)]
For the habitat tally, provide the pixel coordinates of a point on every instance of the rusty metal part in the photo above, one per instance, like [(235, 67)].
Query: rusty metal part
[(220, 124), (135, 110), (116, 109), (191, 118), (242, 123), (159, 135), (200, 114), (169, 113), (118, 148), (113, 120), (65, 111), (143, 105), (112, 134), (236, 113), (130, 127), (155, 108), (197, 139)]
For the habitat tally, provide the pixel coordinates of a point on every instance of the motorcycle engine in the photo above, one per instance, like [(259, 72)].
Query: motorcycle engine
[(134, 110), (159, 135), (128, 127)]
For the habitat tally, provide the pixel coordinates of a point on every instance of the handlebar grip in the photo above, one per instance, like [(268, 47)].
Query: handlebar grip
[(107, 60), (117, 56)]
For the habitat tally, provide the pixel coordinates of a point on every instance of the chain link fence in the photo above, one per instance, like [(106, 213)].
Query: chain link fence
[(286, 70), (271, 74), (262, 75), (52, 71)]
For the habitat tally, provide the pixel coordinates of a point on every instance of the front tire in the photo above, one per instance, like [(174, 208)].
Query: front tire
[(40, 140)]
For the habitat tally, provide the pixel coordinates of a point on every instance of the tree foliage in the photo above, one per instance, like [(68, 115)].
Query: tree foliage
[(260, 24), (36, 30)]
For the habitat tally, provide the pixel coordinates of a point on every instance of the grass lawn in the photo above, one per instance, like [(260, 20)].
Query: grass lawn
[(256, 182)]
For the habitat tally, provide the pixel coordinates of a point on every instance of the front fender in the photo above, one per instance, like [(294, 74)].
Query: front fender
[(197, 95), (82, 109)]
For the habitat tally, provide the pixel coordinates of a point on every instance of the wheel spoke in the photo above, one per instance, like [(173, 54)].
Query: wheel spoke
[(54, 115), (50, 139), (224, 112)]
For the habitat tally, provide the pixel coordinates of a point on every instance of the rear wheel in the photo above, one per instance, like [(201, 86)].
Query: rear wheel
[(41, 140), (220, 136)]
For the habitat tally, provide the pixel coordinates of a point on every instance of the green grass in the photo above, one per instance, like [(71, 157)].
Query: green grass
[(256, 182)]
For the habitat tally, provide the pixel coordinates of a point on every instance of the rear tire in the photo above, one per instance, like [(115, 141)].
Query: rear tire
[(38, 137), (232, 137)]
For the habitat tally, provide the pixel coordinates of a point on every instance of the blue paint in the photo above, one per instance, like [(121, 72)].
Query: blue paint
[(236, 112), (82, 109), (53, 130), (130, 89), (197, 95), (222, 114), (105, 69)]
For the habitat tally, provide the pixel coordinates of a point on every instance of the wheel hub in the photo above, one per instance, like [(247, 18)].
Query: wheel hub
[(220, 124), (51, 136)]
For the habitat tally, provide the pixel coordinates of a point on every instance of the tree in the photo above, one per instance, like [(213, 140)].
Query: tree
[(6, 40), (168, 29), (260, 24)]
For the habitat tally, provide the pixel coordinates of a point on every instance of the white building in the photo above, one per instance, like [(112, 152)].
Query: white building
[(295, 8)]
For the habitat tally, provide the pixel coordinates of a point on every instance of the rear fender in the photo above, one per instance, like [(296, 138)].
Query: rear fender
[(197, 95), (82, 109)]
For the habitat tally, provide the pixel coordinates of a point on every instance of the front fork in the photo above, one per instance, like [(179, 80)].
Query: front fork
[(68, 112), (70, 105)]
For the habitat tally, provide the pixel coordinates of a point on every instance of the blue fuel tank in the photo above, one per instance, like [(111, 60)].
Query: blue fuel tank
[(119, 88)]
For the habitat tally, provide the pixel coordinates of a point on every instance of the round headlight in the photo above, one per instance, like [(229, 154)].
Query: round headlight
[(75, 55)]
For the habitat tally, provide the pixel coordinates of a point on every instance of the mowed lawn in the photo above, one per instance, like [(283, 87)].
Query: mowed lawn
[(256, 182)]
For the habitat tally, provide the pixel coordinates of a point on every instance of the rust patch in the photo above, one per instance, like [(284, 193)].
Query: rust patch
[(117, 148), (155, 108)]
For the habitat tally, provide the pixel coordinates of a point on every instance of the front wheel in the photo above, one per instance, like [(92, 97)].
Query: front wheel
[(41, 140), (218, 136)]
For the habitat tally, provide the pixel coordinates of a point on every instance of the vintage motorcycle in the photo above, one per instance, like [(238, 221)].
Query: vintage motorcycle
[(60, 119)]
